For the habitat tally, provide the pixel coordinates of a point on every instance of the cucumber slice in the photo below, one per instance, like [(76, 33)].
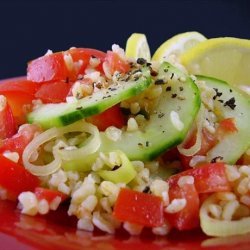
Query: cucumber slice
[(230, 103), (180, 96), (56, 115)]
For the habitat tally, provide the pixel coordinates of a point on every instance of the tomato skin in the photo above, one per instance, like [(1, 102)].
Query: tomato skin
[(18, 85), (48, 194), (15, 178), (47, 68), (53, 92), (19, 141), (208, 178), (139, 208), (110, 117), (208, 141), (188, 217), (7, 122), (52, 67), (19, 93), (116, 63)]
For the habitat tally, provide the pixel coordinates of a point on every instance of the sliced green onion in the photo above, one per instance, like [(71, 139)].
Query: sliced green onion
[(124, 174), (216, 227)]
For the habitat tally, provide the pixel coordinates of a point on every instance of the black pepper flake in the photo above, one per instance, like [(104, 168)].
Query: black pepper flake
[(146, 189), (79, 108), (112, 89), (230, 90), (149, 64), (181, 88), (221, 101), (140, 144), (145, 114), (136, 71), (115, 167), (147, 143), (218, 94), (230, 103), (172, 75), (166, 70), (160, 115), (153, 73), (159, 82), (217, 159), (141, 61), (174, 95), (168, 88)]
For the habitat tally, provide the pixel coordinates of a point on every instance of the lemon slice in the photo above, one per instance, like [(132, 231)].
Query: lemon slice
[(177, 45), (224, 58), (137, 47)]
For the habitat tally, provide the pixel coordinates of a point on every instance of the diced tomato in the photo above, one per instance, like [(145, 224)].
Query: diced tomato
[(208, 141), (15, 178), (20, 93), (52, 67), (17, 85), (208, 178), (19, 141), (116, 63), (139, 208), (188, 217), (110, 117), (7, 122), (226, 126), (171, 155), (85, 54), (53, 92), (48, 194), (244, 160)]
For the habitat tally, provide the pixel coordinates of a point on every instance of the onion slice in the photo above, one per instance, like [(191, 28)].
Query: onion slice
[(41, 170), (92, 145), (216, 227), (60, 155)]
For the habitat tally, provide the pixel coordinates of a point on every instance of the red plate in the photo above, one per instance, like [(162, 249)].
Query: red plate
[(58, 231)]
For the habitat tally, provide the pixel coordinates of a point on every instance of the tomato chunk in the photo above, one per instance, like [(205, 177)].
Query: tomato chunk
[(187, 217), (19, 141), (19, 93), (48, 194), (7, 122), (208, 178), (139, 208), (116, 63), (208, 141), (53, 92), (110, 117), (66, 65), (15, 178)]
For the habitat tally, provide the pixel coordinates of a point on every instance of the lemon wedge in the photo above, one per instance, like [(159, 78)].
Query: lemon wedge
[(223, 58), (177, 45), (137, 47)]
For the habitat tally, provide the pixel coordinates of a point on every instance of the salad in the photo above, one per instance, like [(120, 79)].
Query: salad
[(126, 141)]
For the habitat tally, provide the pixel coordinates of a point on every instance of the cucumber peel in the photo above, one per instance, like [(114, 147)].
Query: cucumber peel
[(230, 103), (180, 95), (57, 115)]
